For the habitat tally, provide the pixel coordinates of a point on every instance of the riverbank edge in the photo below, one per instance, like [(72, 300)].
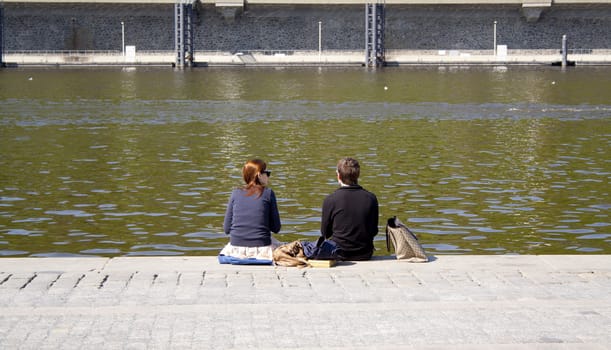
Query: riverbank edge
[(313, 59), (565, 263)]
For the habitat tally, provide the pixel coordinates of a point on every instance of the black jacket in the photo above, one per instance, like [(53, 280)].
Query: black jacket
[(350, 219)]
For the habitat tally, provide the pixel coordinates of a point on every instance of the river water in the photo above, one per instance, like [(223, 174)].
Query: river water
[(126, 162)]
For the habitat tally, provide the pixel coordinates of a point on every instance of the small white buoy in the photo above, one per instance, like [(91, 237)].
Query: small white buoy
[(553, 83), (385, 87), (30, 78)]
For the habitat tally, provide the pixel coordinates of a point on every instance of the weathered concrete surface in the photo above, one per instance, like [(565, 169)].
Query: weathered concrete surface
[(453, 302), (312, 58)]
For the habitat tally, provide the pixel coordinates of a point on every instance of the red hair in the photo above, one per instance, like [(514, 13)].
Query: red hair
[(250, 174)]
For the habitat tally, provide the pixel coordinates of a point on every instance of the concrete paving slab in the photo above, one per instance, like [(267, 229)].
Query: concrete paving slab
[(52, 264), (452, 302)]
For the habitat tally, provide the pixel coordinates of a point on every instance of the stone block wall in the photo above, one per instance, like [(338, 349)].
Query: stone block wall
[(472, 27), (151, 27), (87, 26), (283, 28)]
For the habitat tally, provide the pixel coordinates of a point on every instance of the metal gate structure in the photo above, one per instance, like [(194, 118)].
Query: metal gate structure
[(183, 33), (375, 19)]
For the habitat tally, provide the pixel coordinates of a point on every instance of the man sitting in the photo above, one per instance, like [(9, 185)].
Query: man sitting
[(350, 214)]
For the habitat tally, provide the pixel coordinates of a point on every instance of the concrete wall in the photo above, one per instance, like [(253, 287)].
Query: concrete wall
[(97, 26)]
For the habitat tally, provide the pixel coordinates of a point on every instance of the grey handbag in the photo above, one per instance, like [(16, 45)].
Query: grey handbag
[(404, 242)]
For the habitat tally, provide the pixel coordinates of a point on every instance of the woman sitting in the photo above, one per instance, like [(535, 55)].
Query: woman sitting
[(251, 216)]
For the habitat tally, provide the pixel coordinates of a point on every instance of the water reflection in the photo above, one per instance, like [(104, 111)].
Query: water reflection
[(230, 86), (148, 172), (128, 83)]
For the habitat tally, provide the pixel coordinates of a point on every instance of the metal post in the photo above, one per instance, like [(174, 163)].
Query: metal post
[(1, 32), (374, 36), (319, 41), (380, 30), (564, 50), (367, 36), (495, 38), (190, 52), (123, 38), (179, 34)]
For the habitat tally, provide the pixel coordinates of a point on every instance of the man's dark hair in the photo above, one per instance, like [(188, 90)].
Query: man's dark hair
[(349, 171)]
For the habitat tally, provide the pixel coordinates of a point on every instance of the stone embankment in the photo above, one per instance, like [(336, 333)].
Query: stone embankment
[(306, 58), (279, 32), (452, 302)]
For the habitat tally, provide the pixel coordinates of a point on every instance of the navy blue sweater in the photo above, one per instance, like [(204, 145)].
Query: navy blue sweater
[(249, 220)]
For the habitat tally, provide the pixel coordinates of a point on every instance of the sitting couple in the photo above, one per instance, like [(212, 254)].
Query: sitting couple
[(349, 215)]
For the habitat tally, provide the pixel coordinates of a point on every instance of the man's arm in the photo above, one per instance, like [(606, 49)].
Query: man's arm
[(376, 217), (326, 223)]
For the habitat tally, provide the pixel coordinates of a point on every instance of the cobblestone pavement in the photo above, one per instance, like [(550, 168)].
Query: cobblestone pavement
[(453, 302)]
